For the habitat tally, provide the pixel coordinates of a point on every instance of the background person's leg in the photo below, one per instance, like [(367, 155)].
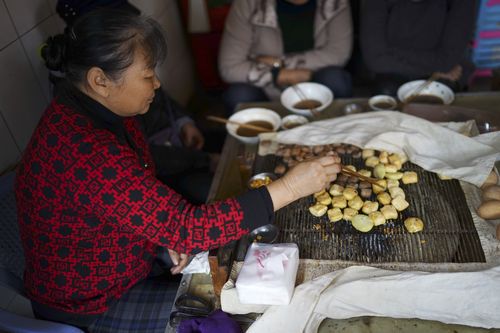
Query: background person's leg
[(337, 79), (241, 93)]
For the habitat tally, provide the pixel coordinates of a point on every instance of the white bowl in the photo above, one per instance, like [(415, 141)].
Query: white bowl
[(252, 114), (311, 90), (434, 89), (293, 120), (376, 101)]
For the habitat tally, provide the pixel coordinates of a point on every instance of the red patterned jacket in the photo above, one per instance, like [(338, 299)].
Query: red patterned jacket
[(92, 213)]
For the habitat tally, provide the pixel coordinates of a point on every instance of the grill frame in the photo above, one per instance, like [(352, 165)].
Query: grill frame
[(449, 234)]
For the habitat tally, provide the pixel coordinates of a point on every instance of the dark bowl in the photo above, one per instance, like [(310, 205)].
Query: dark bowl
[(265, 234)]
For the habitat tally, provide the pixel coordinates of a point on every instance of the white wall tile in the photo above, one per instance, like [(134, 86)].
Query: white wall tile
[(31, 43), (21, 98), (8, 157), (7, 31), (52, 5), (26, 14)]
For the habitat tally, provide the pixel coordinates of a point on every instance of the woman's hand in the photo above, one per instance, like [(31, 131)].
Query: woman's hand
[(453, 75), (191, 136), (304, 179), (179, 261)]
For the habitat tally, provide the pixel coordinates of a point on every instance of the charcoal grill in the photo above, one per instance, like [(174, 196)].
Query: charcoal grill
[(449, 235)]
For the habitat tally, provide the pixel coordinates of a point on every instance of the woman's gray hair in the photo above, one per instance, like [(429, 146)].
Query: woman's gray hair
[(108, 39)]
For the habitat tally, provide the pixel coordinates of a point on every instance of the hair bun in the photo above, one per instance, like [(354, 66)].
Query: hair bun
[(54, 52)]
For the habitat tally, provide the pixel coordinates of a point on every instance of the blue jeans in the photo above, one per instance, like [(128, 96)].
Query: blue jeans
[(337, 79)]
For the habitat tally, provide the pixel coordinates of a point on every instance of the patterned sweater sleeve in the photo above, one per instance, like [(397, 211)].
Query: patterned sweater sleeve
[(120, 189)]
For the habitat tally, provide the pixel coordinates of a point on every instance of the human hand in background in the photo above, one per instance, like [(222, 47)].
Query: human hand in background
[(304, 179), (288, 77), (453, 75), (191, 136), (268, 60), (179, 261)]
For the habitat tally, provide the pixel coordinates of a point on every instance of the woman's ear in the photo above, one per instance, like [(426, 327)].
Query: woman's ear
[(98, 82)]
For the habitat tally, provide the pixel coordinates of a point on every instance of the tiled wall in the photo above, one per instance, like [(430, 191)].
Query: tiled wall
[(24, 87)]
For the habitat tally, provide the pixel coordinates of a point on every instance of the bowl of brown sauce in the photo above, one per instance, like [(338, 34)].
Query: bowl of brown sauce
[(434, 93), (382, 103), (292, 121), (265, 119), (306, 96)]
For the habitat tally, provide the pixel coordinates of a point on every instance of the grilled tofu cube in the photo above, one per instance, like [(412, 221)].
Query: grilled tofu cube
[(364, 172), (377, 218), (367, 153), (397, 192), (339, 201), (389, 212), (391, 168), (369, 207), (409, 177), (336, 189), (399, 203), (324, 199), (394, 175), (335, 214), (355, 203), (381, 187), (318, 210), (384, 198), (349, 213), (320, 193), (372, 161), (414, 224), (349, 193), (392, 183), (383, 157)]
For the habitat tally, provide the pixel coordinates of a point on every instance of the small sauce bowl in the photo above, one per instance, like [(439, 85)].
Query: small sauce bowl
[(261, 179), (292, 121), (382, 103)]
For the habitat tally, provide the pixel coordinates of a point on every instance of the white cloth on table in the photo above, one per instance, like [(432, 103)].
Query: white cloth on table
[(432, 146), (465, 298)]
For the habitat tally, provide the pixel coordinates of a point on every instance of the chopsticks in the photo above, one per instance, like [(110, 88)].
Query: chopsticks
[(421, 87), (349, 172), (248, 126), (303, 97)]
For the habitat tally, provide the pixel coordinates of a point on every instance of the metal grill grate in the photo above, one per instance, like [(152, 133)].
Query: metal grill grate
[(449, 234)]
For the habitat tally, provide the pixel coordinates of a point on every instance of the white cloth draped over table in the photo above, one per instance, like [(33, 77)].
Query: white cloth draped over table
[(432, 146), (466, 298)]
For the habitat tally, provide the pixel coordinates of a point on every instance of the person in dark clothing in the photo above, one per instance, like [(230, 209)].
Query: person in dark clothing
[(92, 213), (404, 40), (175, 141)]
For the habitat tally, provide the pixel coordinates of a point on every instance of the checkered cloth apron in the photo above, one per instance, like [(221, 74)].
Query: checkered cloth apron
[(144, 308)]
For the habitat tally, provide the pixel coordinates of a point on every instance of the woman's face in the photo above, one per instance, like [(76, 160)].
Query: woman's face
[(134, 91)]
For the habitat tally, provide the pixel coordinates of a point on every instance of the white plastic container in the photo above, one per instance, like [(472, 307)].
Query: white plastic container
[(268, 274)]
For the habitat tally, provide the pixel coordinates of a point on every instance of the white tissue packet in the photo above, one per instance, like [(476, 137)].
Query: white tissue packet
[(268, 274), (198, 264)]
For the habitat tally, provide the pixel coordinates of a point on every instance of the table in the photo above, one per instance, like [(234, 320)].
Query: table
[(228, 181)]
